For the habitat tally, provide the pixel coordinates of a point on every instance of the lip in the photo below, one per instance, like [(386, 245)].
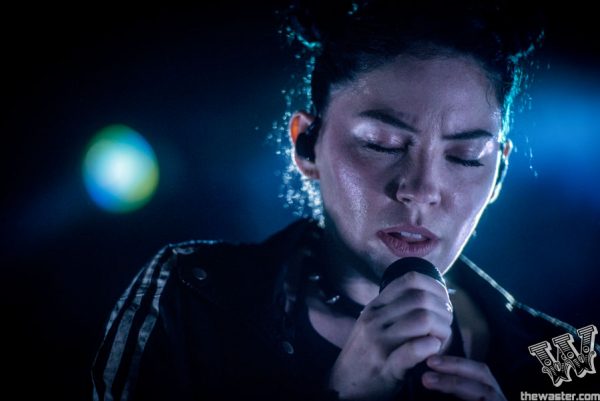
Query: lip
[(403, 248)]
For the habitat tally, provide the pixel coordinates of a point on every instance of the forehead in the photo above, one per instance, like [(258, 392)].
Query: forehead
[(451, 91)]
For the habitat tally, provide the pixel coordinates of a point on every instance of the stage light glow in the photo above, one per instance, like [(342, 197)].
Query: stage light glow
[(120, 170)]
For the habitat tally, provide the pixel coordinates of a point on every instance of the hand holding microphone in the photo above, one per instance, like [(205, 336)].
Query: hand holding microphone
[(412, 378), (409, 321)]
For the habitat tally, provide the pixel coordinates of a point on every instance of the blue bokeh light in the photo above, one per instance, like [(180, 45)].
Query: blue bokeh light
[(120, 169), (562, 137)]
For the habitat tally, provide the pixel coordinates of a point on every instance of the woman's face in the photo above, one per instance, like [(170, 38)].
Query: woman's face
[(407, 159)]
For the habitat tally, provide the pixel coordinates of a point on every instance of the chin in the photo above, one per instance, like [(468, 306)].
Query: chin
[(380, 265)]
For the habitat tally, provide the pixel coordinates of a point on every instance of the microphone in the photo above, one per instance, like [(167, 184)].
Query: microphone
[(412, 388), (404, 265)]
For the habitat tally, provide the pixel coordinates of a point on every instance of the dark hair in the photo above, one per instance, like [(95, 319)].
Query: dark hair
[(338, 40)]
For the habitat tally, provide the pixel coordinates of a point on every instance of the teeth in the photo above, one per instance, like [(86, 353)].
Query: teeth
[(412, 235)]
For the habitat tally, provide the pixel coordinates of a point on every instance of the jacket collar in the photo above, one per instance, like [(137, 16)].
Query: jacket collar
[(230, 274), (247, 278)]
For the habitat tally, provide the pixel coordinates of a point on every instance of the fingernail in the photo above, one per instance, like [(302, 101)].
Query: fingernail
[(435, 360), (432, 377)]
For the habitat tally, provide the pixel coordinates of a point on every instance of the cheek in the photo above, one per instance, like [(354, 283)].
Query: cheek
[(347, 184), (341, 189), (469, 199)]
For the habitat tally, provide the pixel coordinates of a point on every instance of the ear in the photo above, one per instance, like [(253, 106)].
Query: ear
[(299, 123), (505, 149)]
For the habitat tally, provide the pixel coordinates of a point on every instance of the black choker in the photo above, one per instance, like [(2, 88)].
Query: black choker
[(335, 298), (315, 273)]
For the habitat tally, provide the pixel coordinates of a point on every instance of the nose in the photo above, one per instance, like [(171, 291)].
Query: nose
[(418, 185)]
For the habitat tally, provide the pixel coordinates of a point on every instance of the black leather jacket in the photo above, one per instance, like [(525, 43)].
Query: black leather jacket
[(211, 320)]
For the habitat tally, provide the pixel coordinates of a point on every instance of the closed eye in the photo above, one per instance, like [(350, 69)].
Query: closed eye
[(397, 151), (464, 162), (383, 149)]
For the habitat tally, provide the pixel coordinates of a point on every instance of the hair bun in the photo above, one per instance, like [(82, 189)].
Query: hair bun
[(513, 27), (520, 26), (313, 23)]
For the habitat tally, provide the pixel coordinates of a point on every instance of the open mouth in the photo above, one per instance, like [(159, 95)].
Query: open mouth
[(408, 236), (409, 241)]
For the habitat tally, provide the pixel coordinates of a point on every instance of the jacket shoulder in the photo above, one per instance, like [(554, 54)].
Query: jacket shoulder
[(231, 273), (508, 312), (217, 274)]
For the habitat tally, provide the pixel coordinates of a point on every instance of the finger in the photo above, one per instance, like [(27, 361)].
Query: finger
[(414, 299), (464, 388), (418, 323), (463, 367), (411, 280), (409, 354), (410, 301)]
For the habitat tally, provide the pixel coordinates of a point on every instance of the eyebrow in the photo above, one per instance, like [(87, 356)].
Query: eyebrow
[(386, 117), (466, 135), (389, 118)]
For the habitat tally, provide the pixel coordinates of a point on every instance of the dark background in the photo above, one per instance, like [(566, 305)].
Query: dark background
[(203, 85)]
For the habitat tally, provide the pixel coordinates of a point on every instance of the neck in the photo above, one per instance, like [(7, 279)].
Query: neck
[(351, 276)]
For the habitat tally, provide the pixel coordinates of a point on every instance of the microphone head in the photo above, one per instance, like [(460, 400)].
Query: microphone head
[(404, 265)]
